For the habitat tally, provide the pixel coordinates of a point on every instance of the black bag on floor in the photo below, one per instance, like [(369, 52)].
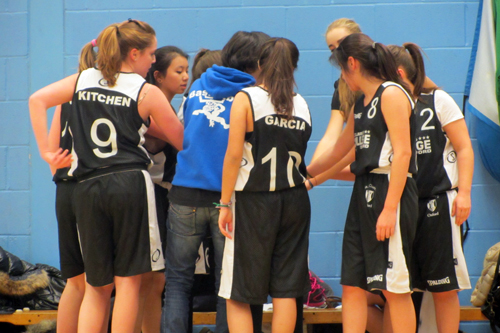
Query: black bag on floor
[(491, 308), (38, 287)]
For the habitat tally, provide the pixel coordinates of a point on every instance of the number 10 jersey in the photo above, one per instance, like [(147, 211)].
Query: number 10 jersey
[(273, 154), (106, 126)]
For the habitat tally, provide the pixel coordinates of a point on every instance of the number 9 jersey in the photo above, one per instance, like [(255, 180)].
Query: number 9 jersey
[(106, 126), (273, 154)]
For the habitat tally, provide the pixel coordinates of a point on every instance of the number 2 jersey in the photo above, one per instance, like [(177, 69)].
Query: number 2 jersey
[(374, 149), (106, 126), (273, 154), (436, 157)]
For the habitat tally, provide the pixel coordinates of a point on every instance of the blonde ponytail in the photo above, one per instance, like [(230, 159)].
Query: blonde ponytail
[(115, 42)]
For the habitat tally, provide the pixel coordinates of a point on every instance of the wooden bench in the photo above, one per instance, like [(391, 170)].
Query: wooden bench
[(311, 316)]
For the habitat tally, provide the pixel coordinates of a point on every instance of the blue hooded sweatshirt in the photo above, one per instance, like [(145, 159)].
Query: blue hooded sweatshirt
[(206, 127)]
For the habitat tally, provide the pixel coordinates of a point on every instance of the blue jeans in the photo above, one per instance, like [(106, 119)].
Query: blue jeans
[(186, 229)]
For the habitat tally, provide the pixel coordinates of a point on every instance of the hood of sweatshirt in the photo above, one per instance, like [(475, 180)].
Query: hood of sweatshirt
[(221, 82)]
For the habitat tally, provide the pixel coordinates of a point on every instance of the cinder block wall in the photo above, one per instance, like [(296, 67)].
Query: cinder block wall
[(41, 41)]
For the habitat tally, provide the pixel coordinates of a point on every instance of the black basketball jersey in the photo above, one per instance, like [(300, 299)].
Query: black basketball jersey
[(436, 157), (106, 125), (273, 154), (371, 135), (65, 142)]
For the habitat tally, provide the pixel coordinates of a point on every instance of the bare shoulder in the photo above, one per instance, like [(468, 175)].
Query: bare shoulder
[(150, 95), (393, 91), (241, 101), (394, 99), (242, 97)]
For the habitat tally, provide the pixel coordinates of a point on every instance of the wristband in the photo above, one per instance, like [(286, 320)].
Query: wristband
[(222, 204), (310, 183)]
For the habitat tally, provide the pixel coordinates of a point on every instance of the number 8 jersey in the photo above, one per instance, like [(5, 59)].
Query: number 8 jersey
[(273, 154), (106, 126), (374, 149)]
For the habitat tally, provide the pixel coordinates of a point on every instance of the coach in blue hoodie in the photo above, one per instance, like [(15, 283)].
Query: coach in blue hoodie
[(198, 176)]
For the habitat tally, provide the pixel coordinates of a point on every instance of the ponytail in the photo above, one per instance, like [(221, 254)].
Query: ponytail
[(375, 58), (114, 43), (109, 57), (386, 66), (418, 61), (278, 60), (418, 77), (87, 57), (409, 57)]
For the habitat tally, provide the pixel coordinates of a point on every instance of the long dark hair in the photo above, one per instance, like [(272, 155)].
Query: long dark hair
[(409, 56), (164, 56), (278, 60), (241, 52), (375, 58)]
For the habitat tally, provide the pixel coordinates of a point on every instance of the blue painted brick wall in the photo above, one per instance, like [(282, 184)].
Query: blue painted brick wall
[(44, 39), (14, 128)]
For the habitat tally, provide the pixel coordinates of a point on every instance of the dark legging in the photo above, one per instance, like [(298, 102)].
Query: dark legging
[(257, 316)]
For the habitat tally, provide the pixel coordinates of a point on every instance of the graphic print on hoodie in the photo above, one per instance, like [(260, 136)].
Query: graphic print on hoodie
[(206, 127)]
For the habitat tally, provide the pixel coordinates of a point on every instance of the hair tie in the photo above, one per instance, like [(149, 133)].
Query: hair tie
[(373, 45), (137, 23), (117, 31), (94, 43)]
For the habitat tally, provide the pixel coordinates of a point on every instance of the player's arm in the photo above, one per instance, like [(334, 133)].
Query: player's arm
[(340, 171), (342, 147), (240, 110), (459, 137), (155, 131), (156, 105), (331, 135), (396, 110), (54, 94), (54, 134)]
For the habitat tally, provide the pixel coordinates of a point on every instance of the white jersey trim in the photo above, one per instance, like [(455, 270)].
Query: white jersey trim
[(461, 271), (260, 108), (247, 164), (129, 87), (155, 247), (390, 83), (398, 277), (227, 274)]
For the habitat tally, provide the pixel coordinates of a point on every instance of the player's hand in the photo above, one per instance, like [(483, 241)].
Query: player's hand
[(226, 221), (461, 207), (310, 183), (58, 159), (386, 223)]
